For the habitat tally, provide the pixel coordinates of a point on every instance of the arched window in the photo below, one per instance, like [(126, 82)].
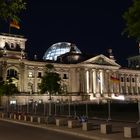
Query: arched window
[(12, 73)]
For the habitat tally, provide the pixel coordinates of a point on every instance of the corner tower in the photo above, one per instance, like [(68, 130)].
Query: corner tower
[(12, 46)]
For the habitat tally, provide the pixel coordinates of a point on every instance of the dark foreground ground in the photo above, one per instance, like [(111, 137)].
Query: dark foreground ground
[(14, 131)]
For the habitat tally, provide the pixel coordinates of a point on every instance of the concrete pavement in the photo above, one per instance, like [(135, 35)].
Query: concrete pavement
[(117, 130)]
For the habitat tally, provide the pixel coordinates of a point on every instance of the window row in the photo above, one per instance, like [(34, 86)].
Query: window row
[(130, 90), (128, 79), (31, 74), (39, 75)]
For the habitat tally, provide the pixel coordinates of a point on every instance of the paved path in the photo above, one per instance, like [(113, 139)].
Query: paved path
[(117, 133), (15, 131)]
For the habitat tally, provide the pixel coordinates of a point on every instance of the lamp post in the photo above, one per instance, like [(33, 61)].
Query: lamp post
[(27, 104), (109, 110), (69, 109), (109, 107), (57, 102), (35, 105), (50, 107), (44, 108), (75, 114), (86, 108), (138, 122), (55, 108)]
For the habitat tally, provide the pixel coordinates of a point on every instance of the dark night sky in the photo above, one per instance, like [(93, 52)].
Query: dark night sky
[(93, 25)]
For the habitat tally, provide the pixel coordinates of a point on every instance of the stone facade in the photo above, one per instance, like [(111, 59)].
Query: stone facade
[(99, 76)]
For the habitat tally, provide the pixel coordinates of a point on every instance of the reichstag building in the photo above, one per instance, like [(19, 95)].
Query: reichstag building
[(82, 76)]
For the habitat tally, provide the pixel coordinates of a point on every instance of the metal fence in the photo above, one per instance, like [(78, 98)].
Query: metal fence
[(117, 111)]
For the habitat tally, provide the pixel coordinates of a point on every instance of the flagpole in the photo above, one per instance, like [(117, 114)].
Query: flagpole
[(9, 27)]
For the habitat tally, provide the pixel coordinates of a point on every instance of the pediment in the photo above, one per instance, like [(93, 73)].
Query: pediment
[(101, 60)]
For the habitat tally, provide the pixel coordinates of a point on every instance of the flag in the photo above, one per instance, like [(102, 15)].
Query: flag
[(114, 79), (98, 78), (14, 24)]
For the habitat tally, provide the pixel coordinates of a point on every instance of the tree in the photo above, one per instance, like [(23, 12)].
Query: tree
[(10, 9), (132, 19), (8, 88), (51, 81)]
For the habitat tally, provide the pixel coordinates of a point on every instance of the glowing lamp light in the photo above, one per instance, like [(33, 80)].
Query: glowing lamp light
[(12, 102), (119, 97)]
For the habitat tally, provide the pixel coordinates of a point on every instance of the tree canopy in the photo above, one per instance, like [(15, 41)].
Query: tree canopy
[(7, 88), (132, 19), (10, 9), (51, 81)]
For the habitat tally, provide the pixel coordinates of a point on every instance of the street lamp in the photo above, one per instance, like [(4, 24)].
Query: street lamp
[(50, 107), (35, 105), (138, 122), (57, 102), (69, 104), (44, 108), (86, 108), (109, 110), (109, 107)]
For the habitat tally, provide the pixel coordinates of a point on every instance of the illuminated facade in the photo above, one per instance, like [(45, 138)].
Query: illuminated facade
[(99, 76)]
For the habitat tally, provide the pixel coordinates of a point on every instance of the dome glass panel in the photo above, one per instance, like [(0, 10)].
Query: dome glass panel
[(58, 49)]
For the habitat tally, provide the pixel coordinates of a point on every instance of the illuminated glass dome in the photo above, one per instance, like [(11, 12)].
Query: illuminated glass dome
[(58, 49)]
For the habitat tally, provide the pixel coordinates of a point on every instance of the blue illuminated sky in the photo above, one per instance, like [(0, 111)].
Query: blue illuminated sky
[(94, 26)]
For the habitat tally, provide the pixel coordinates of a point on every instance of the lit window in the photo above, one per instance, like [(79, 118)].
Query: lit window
[(30, 74), (12, 102)]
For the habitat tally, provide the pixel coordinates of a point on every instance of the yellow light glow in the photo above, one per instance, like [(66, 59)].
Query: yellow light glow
[(120, 97)]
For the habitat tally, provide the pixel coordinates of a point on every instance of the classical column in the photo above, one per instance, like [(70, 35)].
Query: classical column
[(117, 84), (111, 83), (22, 81), (119, 76), (125, 84), (98, 81), (87, 81), (122, 84), (94, 79), (130, 85), (25, 76), (82, 75), (80, 81), (101, 81), (4, 70), (91, 81), (35, 78), (77, 80), (73, 80), (107, 82)]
